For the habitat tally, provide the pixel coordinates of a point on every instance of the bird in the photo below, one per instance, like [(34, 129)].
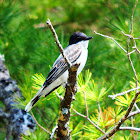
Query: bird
[(76, 52)]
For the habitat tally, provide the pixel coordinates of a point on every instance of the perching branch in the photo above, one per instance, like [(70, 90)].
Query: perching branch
[(58, 43), (63, 132)]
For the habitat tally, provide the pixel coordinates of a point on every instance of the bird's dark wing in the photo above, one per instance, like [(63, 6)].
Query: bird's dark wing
[(59, 67)]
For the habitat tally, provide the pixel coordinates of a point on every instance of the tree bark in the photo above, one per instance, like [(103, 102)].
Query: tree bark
[(19, 122)]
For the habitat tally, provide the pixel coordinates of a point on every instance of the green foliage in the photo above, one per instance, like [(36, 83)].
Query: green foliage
[(30, 51), (39, 134)]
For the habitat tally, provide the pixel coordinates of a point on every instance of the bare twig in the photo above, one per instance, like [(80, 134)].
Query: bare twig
[(134, 47), (136, 135), (132, 16), (137, 107), (58, 43), (116, 128), (111, 39), (88, 120), (60, 97), (133, 113), (86, 105), (99, 112), (127, 114), (129, 58), (42, 115), (128, 35), (53, 131), (131, 52), (122, 93), (39, 124), (130, 128)]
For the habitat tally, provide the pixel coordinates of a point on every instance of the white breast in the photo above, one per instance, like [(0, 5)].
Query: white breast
[(83, 58), (63, 78)]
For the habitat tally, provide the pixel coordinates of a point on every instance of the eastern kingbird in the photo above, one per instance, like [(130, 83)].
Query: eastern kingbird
[(76, 52)]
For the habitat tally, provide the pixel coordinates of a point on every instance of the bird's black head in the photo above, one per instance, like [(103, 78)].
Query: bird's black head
[(78, 36)]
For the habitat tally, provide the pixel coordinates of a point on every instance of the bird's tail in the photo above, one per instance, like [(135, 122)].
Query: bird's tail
[(38, 95)]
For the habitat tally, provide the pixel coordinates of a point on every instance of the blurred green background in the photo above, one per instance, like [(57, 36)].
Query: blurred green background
[(29, 48)]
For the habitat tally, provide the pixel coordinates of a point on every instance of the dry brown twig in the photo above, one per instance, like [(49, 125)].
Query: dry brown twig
[(87, 118), (39, 124), (58, 43)]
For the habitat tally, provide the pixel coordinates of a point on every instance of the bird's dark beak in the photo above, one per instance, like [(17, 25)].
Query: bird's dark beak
[(88, 38)]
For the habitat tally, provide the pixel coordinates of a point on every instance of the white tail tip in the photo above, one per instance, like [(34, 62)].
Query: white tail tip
[(28, 107)]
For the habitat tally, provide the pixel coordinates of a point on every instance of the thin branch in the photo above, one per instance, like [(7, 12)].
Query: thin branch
[(116, 128), (39, 124), (122, 93), (133, 113), (53, 132), (88, 120), (132, 16), (137, 38), (60, 97), (130, 128), (58, 43), (136, 135), (137, 107), (129, 58), (86, 105), (99, 112), (128, 53), (111, 39), (135, 47), (42, 115), (131, 52), (128, 35)]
